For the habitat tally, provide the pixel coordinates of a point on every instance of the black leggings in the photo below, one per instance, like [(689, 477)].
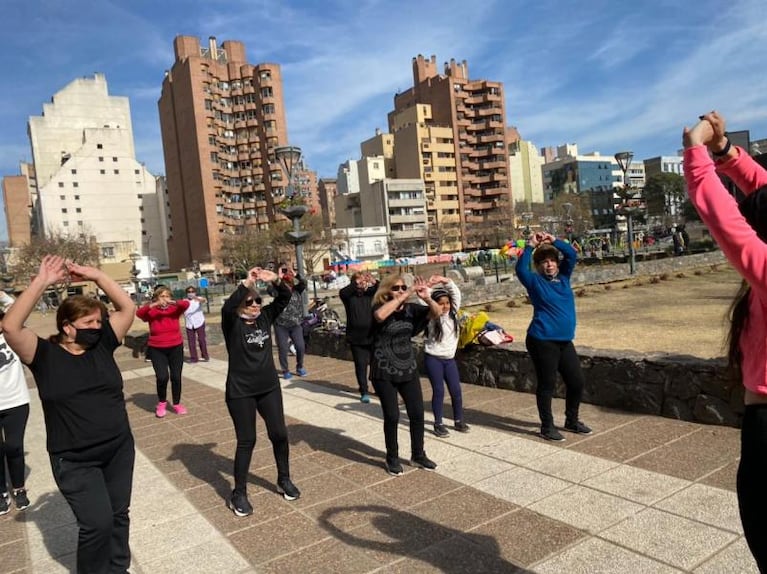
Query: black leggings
[(13, 423), (550, 357), (243, 413), (98, 491), (752, 496), (167, 361), (410, 391), (361, 357)]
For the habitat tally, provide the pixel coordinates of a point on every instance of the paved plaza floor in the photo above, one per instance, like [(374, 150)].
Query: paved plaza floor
[(643, 494)]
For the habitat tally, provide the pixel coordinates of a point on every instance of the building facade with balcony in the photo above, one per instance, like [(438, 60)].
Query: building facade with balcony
[(221, 119), (474, 110)]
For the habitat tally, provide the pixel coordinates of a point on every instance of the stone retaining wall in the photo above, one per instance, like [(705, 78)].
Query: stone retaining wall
[(675, 386)]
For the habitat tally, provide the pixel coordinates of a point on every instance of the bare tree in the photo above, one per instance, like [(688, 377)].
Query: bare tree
[(248, 248), (26, 262)]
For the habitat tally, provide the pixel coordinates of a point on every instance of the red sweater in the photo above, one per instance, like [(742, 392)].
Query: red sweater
[(164, 327), (739, 242)]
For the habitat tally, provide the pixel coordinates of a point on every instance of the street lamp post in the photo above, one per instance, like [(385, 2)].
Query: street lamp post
[(527, 217), (568, 221), (624, 162), (289, 157), (134, 272)]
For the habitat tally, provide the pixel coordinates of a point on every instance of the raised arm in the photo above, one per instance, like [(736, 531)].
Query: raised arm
[(22, 339), (122, 317), (570, 257), (421, 288)]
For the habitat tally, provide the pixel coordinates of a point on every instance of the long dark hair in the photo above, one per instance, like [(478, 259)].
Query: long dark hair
[(738, 315), (435, 327)]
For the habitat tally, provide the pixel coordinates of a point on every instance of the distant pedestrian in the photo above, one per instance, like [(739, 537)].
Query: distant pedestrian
[(741, 233), (552, 330), (357, 298), (194, 318), (287, 326), (165, 347)]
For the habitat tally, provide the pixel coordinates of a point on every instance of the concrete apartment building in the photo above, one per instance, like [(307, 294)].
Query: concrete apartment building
[(475, 111), (19, 198), (221, 119), (424, 150), (90, 184), (328, 190), (525, 165)]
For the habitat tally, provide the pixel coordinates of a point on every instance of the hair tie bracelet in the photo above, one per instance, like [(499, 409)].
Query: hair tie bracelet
[(724, 151)]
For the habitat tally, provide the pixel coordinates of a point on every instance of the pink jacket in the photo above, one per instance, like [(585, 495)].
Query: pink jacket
[(738, 241)]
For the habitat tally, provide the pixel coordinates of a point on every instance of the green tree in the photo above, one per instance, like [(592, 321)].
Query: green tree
[(663, 191)]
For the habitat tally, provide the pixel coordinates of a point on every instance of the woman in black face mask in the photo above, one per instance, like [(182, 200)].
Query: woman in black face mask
[(81, 390)]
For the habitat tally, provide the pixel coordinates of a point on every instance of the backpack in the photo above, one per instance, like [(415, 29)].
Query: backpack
[(471, 325)]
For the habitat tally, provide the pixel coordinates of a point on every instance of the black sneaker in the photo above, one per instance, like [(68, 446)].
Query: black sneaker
[(239, 504), (4, 503), (393, 467), (461, 426), (577, 427), (21, 499), (441, 431), (424, 462), (552, 434), (287, 489)]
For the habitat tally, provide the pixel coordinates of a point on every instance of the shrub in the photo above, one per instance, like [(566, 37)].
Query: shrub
[(698, 272), (511, 304), (581, 292), (664, 276), (655, 280), (681, 275), (608, 287), (488, 307)]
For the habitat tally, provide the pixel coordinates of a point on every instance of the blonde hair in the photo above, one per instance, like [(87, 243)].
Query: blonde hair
[(383, 293), (159, 291)]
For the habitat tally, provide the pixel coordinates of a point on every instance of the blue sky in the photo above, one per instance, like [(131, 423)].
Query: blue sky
[(604, 74)]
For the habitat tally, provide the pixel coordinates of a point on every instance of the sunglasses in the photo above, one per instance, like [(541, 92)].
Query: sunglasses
[(256, 301), (399, 288)]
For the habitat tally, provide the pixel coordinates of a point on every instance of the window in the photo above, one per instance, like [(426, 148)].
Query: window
[(61, 184), (77, 198), (74, 172), (63, 210), (140, 196), (267, 92), (102, 171), (78, 210), (114, 158), (267, 108), (117, 172), (107, 252), (65, 223), (99, 146), (101, 158), (62, 197), (137, 171), (75, 184)]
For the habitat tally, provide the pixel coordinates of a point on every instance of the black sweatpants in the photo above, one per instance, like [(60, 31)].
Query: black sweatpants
[(410, 391), (550, 358), (752, 494), (243, 413), (361, 357), (98, 491), (167, 362), (13, 423)]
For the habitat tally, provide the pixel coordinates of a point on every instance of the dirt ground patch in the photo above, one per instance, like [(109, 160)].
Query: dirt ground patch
[(684, 314)]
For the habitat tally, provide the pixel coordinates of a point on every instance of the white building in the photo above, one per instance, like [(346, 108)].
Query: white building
[(89, 181), (525, 174), (347, 179), (360, 243)]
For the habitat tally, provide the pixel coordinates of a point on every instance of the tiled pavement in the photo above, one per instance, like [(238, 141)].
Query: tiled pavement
[(642, 494)]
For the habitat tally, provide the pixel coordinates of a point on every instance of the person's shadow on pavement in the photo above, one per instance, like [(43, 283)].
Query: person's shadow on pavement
[(403, 534)]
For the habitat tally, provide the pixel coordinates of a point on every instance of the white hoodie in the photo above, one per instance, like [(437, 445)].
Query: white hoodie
[(445, 349)]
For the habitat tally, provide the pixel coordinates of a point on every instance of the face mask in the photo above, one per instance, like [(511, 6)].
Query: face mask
[(247, 317), (191, 295), (88, 338)]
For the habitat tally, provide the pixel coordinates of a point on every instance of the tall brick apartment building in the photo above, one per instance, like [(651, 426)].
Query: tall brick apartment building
[(221, 119), (475, 110)]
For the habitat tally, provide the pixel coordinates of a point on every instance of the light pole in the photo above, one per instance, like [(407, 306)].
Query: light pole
[(624, 162), (134, 272), (289, 157), (568, 221), (527, 217)]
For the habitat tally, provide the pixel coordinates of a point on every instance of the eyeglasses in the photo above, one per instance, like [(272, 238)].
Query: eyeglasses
[(256, 301), (399, 288)]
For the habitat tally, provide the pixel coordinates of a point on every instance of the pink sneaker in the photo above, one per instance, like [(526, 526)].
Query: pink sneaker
[(161, 409), (179, 409)]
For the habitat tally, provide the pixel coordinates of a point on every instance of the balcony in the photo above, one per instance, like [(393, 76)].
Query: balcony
[(400, 234)]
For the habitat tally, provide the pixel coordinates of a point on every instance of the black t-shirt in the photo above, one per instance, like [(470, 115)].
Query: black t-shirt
[(251, 363), (359, 314), (81, 395), (393, 357)]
